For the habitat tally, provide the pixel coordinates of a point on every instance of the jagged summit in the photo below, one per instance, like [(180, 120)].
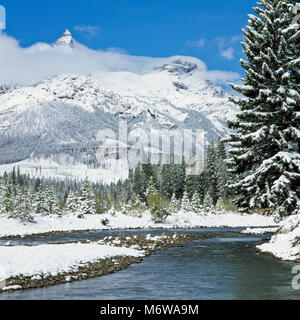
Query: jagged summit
[(65, 41), (178, 66)]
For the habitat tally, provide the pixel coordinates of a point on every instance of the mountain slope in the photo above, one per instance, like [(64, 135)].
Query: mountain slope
[(61, 116)]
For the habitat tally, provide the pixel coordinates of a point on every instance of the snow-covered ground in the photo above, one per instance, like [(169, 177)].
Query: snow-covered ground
[(286, 243), (43, 224), (50, 259), (260, 230)]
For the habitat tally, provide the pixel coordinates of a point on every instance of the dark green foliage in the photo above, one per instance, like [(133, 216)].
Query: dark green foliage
[(264, 148), (21, 193)]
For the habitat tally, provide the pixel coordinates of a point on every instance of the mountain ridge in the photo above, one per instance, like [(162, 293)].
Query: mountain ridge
[(70, 109)]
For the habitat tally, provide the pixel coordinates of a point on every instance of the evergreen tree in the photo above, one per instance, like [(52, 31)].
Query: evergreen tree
[(39, 201), (201, 186), (50, 200), (138, 183), (8, 195), (151, 190), (185, 203), (147, 169), (72, 204), (166, 185), (264, 149), (14, 181), (208, 200), (222, 174), (190, 185), (20, 179), (175, 203), (196, 202), (22, 207), (180, 181), (211, 177), (136, 203), (87, 200), (2, 197)]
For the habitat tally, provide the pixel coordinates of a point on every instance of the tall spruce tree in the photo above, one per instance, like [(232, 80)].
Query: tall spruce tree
[(264, 150), (222, 174), (196, 202), (139, 183), (151, 190), (174, 204), (211, 174), (185, 203), (166, 185), (87, 200), (71, 205)]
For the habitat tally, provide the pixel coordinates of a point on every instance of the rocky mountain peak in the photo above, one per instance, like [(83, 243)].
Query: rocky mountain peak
[(65, 41), (178, 66)]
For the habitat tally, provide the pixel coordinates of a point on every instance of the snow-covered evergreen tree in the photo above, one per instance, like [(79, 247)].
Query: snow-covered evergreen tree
[(222, 173), (166, 185), (8, 196), (2, 196), (175, 203), (22, 207), (264, 150), (185, 202), (190, 185), (211, 173), (208, 200), (151, 190), (72, 204), (50, 200), (196, 202), (39, 201), (87, 199), (136, 203), (138, 183)]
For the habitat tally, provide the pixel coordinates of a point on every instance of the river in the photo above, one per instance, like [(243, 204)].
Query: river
[(224, 267)]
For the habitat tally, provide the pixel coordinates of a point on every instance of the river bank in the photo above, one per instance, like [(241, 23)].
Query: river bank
[(51, 225), (285, 244), (226, 266), (45, 265)]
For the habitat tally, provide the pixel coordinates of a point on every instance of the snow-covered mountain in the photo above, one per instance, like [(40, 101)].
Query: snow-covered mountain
[(66, 40), (59, 117)]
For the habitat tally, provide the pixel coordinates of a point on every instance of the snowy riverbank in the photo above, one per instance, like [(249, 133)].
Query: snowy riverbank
[(285, 244), (24, 267), (48, 224), (49, 260)]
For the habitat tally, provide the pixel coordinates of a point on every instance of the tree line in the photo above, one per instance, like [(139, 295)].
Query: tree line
[(161, 188)]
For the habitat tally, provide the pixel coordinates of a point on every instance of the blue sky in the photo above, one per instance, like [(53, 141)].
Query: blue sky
[(209, 30)]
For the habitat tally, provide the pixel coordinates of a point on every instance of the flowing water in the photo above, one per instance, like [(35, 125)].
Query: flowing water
[(226, 266)]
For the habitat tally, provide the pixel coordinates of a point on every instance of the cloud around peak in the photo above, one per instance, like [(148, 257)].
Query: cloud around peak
[(40, 61)]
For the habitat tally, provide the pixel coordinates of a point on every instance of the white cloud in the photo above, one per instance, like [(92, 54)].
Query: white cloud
[(225, 46), (228, 53), (27, 65), (195, 43), (88, 31), (235, 39)]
